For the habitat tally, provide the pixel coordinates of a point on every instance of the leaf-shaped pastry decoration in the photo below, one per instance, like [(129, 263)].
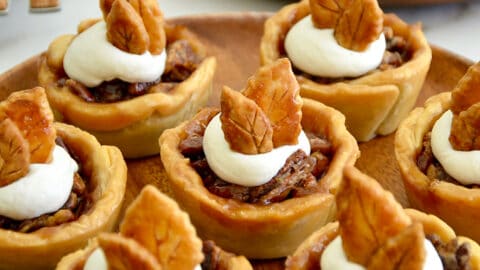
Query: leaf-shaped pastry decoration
[(105, 7), (467, 91), (31, 113), (156, 222), (153, 21), (359, 25), (123, 253), (125, 28), (465, 132), (325, 13), (404, 251), (368, 215), (246, 127), (14, 153), (275, 90)]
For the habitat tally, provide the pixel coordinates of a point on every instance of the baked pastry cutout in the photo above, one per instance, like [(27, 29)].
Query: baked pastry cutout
[(265, 166), (374, 232), (4, 6), (154, 234), (368, 65), (58, 185), (437, 150), (128, 76)]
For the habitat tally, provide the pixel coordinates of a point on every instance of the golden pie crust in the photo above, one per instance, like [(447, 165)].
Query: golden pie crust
[(133, 125), (106, 172), (374, 103), (303, 258), (443, 199), (278, 228)]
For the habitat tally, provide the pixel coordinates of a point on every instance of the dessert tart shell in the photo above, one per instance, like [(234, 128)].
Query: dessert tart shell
[(77, 259), (373, 104), (107, 173), (278, 228), (457, 205), (133, 125), (308, 254)]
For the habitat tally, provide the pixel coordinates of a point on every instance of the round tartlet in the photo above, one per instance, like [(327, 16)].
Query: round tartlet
[(106, 172), (373, 104), (307, 255), (133, 125), (457, 205), (277, 228)]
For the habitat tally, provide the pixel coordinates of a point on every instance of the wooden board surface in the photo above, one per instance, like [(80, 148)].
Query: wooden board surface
[(234, 39)]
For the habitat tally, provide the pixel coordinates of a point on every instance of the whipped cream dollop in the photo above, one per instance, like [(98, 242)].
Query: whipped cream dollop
[(96, 261), (464, 166), (91, 59), (43, 190), (334, 257), (242, 169), (316, 52)]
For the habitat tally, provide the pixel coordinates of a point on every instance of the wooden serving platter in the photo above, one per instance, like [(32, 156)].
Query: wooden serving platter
[(234, 39)]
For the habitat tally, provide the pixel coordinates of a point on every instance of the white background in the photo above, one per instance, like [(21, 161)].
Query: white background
[(455, 27)]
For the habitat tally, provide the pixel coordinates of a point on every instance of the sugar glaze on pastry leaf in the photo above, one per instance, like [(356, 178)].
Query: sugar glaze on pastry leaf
[(30, 112), (245, 125), (465, 132), (267, 114), (368, 216), (276, 91), (158, 224), (356, 23), (135, 26), (402, 252), (124, 253), (14, 153), (125, 29)]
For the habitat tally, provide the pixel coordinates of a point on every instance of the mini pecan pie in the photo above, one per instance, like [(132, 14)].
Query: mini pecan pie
[(154, 234), (376, 233), (92, 202), (375, 101), (127, 77), (282, 211), (438, 157)]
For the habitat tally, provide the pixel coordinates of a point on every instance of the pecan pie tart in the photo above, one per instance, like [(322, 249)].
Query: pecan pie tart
[(374, 232), (264, 167), (154, 234), (128, 76), (437, 149), (372, 73), (58, 185)]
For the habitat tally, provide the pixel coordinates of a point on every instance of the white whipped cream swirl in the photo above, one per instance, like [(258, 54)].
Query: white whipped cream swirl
[(242, 169), (43, 190), (464, 166), (334, 257), (91, 59), (316, 52), (96, 261)]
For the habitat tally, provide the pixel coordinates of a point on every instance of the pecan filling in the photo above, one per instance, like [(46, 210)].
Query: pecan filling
[(298, 177), (181, 62), (78, 202), (215, 257), (454, 256), (430, 166), (397, 52)]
